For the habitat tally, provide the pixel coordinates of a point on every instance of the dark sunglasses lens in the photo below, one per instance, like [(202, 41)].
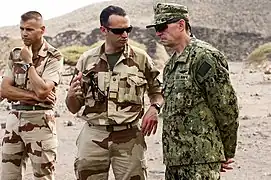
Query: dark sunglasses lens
[(160, 27), (121, 30), (129, 29)]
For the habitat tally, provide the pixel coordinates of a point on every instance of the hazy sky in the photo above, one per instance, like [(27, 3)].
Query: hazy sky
[(11, 10)]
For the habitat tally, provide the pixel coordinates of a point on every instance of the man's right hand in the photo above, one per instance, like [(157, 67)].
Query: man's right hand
[(225, 165), (75, 87)]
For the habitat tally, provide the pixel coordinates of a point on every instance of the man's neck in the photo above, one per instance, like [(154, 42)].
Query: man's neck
[(182, 44), (36, 47), (110, 49)]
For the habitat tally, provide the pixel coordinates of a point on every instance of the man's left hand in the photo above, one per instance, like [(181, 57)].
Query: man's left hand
[(27, 54), (150, 121)]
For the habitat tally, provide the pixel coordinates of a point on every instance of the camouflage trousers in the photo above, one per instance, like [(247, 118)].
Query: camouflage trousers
[(210, 171), (98, 148), (29, 135)]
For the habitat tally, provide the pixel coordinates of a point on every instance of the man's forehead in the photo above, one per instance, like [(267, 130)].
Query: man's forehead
[(117, 19), (32, 22)]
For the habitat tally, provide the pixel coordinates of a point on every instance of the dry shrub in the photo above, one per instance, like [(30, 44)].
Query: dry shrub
[(260, 58), (72, 53)]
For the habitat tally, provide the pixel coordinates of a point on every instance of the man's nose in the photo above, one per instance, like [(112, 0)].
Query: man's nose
[(124, 34), (24, 33), (158, 33)]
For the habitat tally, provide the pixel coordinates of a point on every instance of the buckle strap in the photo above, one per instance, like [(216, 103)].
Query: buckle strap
[(29, 108), (116, 127)]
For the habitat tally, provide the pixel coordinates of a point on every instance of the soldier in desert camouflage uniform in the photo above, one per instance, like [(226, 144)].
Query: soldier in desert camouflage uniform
[(200, 112), (110, 83), (29, 83)]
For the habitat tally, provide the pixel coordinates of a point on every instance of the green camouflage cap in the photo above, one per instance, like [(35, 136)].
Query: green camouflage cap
[(167, 11)]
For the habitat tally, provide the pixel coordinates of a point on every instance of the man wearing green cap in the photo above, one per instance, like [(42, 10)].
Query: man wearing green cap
[(200, 111)]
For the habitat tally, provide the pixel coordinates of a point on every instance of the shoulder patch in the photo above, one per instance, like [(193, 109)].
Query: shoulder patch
[(204, 68), (55, 53)]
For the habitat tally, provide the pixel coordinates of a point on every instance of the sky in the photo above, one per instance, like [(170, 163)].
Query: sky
[(11, 10)]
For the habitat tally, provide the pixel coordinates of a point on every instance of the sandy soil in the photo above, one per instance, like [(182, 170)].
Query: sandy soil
[(253, 158)]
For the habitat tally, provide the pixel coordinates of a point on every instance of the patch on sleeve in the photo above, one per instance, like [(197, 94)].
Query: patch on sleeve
[(204, 68), (56, 54)]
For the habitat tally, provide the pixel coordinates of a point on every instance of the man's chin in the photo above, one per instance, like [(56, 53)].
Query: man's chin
[(164, 43), (27, 43)]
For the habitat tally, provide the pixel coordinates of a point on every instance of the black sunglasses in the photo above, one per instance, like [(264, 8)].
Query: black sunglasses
[(120, 30), (164, 26)]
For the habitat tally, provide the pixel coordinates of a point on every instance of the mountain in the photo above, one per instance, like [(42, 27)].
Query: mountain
[(251, 16), (236, 27)]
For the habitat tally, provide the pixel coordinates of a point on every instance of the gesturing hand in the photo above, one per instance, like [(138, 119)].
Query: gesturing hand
[(75, 88)]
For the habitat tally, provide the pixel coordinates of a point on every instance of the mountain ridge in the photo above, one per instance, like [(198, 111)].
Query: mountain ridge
[(251, 16)]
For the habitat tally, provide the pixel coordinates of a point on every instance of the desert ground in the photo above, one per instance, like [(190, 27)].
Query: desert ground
[(253, 157)]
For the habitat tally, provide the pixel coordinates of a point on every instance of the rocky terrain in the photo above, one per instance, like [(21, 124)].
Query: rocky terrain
[(253, 158), (236, 27)]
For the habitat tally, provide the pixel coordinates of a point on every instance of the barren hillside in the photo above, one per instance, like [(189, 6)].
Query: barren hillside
[(252, 16)]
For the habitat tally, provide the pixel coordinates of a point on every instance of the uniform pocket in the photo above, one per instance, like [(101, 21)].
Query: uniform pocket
[(131, 89), (49, 120)]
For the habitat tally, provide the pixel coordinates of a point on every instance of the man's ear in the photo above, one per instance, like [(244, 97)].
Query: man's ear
[(103, 30), (42, 29), (182, 24)]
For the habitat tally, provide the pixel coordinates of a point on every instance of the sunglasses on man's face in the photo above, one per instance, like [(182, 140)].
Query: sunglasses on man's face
[(119, 31), (162, 27)]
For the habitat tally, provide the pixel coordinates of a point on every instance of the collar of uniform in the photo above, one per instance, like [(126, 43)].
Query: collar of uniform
[(183, 57), (127, 53), (99, 53), (44, 49)]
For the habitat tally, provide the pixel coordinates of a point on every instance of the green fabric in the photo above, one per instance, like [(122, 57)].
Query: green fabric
[(113, 58), (200, 111)]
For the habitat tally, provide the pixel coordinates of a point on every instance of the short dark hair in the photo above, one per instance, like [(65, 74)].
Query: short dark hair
[(108, 11), (31, 15)]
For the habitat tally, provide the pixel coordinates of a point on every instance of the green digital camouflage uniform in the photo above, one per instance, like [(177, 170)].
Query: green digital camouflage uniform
[(113, 105), (31, 132), (200, 111)]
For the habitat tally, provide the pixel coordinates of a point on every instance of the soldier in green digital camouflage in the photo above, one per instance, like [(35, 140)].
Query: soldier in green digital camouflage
[(109, 84), (200, 111), (29, 83)]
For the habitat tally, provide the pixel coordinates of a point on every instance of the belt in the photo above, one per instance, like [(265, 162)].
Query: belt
[(116, 127), (29, 108)]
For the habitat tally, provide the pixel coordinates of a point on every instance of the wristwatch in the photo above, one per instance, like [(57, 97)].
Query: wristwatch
[(157, 107), (25, 67)]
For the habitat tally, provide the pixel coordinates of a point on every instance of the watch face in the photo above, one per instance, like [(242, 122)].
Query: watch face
[(25, 67)]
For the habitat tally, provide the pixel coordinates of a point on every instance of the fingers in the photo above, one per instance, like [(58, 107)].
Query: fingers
[(154, 128), (143, 125), (78, 77), (75, 84), (149, 125), (50, 100), (229, 161), (148, 129), (226, 165)]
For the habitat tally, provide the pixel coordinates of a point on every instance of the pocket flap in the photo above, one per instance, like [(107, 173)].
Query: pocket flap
[(137, 81)]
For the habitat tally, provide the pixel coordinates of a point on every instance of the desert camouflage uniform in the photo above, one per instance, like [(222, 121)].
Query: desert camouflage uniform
[(114, 103), (31, 133)]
